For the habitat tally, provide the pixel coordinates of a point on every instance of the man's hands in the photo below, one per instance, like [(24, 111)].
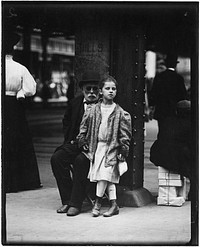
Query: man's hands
[(85, 147)]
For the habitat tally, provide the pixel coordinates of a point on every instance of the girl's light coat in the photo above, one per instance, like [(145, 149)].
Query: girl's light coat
[(118, 136)]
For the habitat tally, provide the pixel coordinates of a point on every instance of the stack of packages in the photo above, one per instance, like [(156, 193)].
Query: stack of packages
[(172, 188)]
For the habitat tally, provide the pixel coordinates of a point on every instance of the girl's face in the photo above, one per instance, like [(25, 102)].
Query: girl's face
[(109, 91)]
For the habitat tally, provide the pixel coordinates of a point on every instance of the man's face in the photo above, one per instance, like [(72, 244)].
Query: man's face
[(90, 92)]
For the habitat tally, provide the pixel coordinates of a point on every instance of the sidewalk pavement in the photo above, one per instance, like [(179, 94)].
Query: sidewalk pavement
[(31, 217)]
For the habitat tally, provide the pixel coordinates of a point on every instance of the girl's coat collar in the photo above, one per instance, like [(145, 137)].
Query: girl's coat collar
[(113, 112)]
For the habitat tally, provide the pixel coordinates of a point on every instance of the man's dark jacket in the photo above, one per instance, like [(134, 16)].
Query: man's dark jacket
[(168, 88), (72, 119)]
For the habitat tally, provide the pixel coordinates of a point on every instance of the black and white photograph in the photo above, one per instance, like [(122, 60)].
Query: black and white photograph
[(100, 123)]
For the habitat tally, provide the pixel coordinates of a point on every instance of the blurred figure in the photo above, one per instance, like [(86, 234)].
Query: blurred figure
[(20, 164), (168, 88), (71, 88), (160, 62), (173, 147), (45, 94)]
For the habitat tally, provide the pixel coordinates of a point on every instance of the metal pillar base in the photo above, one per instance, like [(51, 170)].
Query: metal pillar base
[(133, 198)]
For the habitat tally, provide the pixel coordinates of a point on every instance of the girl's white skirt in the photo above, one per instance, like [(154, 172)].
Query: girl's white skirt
[(98, 171)]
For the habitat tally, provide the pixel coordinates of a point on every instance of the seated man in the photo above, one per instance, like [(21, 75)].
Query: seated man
[(65, 155)]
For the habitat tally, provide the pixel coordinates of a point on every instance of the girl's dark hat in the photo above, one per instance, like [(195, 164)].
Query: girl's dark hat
[(89, 77)]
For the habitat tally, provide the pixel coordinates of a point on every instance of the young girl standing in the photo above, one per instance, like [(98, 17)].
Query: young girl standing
[(104, 137)]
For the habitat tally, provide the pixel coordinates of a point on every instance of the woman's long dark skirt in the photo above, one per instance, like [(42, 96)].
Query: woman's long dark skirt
[(20, 169)]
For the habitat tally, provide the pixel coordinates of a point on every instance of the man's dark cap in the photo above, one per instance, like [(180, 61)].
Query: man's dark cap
[(89, 77), (171, 60)]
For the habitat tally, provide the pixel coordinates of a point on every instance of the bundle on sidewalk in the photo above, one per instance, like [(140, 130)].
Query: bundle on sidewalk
[(172, 188)]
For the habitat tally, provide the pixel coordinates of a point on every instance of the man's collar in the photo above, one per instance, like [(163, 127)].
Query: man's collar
[(88, 103), (173, 69)]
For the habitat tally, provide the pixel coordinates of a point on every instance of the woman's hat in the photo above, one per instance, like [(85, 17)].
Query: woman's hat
[(10, 40), (89, 77)]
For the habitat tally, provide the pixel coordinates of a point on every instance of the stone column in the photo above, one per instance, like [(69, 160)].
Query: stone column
[(128, 66), (91, 50)]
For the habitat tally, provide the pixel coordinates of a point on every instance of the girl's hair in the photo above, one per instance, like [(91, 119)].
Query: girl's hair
[(107, 78)]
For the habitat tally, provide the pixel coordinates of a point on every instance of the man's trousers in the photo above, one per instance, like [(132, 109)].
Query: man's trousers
[(70, 168)]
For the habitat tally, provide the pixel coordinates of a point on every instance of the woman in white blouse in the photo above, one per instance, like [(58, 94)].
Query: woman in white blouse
[(20, 164)]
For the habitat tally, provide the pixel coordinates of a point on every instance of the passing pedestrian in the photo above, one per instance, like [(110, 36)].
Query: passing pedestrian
[(104, 137), (173, 147), (20, 168), (167, 90), (63, 159)]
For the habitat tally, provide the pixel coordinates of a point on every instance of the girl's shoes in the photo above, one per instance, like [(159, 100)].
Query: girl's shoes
[(97, 207), (113, 210)]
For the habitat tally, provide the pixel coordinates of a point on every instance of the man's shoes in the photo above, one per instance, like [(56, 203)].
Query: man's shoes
[(63, 209), (73, 211)]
